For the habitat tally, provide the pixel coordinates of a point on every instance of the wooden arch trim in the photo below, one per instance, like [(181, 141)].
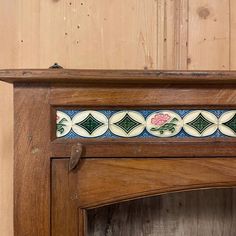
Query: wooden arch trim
[(101, 181)]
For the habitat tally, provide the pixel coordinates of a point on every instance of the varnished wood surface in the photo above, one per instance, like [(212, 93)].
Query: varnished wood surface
[(152, 147), (116, 76), (169, 96), (60, 190), (107, 181), (161, 34), (102, 181), (205, 213), (66, 218), (31, 162)]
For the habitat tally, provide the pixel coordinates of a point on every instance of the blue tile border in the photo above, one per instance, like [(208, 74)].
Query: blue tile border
[(145, 113)]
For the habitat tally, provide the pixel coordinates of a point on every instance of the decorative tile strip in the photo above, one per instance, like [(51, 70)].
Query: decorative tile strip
[(145, 123)]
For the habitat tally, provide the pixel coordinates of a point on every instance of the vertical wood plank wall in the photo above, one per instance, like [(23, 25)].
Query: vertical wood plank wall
[(121, 34)]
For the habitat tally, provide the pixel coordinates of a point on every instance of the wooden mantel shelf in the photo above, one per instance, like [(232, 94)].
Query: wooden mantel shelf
[(100, 137), (115, 76)]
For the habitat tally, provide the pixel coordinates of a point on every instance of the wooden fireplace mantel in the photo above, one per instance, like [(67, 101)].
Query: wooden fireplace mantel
[(88, 138)]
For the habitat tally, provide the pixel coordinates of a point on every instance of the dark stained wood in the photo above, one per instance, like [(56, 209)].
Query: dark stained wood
[(103, 181), (67, 218), (50, 200), (31, 162), (152, 147), (64, 212), (115, 76), (153, 97)]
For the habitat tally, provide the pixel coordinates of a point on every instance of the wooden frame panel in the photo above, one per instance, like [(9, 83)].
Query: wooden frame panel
[(35, 145), (31, 160), (103, 181)]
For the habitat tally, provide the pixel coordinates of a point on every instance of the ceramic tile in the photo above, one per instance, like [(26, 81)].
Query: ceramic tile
[(64, 124), (200, 123), (164, 123), (90, 124), (127, 123), (145, 123), (227, 123)]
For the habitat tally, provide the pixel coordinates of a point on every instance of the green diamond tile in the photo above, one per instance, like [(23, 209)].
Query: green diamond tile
[(200, 123), (127, 123), (90, 124), (231, 123)]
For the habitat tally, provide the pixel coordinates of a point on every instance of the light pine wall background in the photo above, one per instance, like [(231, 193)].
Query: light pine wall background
[(121, 34)]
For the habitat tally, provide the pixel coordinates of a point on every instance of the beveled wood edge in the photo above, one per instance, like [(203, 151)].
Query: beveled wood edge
[(158, 192), (156, 148), (86, 76), (154, 140), (82, 215)]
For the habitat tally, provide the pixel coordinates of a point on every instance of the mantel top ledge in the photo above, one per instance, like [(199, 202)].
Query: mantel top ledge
[(87, 76)]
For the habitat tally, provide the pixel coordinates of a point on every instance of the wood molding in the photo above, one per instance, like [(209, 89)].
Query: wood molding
[(115, 76)]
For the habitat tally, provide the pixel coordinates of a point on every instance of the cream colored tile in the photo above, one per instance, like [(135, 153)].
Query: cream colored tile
[(90, 124), (164, 123), (64, 124), (200, 123), (227, 123), (127, 123)]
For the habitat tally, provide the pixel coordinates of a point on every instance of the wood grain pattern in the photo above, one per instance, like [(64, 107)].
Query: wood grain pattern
[(165, 96), (193, 213), (232, 35), (39, 42), (104, 181), (125, 77), (6, 160), (31, 161), (124, 179), (87, 34), (8, 59), (172, 34), (209, 34), (161, 147), (66, 225)]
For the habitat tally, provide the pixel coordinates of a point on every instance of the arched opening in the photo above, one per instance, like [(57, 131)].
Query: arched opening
[(101, 195), (208, 212)]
